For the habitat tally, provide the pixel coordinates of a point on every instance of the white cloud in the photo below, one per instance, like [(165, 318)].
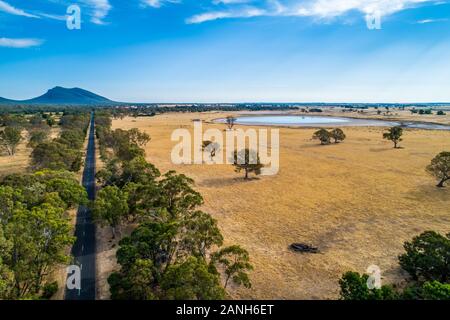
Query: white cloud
[(333, 8), (157, 3), (426, 21), (6, 7), (322, 9), (52, 16), (20, 43), (100, 9), (214, 15), (231, 1)]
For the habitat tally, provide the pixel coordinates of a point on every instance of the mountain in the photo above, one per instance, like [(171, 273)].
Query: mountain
[(3, 100), (60, 95)]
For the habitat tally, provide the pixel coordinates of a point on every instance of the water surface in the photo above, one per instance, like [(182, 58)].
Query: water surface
[(323, 121)]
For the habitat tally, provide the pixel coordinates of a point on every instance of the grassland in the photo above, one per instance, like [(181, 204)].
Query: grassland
[(357, 201), (20, 161)]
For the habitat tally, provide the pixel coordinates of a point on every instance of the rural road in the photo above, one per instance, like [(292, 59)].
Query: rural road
[(83, 250)]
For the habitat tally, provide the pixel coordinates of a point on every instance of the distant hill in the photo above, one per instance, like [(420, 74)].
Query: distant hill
[(60, 95)]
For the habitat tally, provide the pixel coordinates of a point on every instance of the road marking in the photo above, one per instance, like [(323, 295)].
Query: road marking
[(82, 248)]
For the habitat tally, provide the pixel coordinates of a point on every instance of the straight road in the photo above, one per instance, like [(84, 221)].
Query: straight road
[(83, 250)]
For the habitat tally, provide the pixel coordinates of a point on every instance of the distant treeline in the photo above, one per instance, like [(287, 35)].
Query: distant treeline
[(153, 109)]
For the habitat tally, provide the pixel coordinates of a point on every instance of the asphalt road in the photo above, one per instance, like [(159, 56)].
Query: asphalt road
[(83, 250)]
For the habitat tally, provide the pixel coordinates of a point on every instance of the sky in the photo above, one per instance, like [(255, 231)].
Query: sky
[(229, 50)]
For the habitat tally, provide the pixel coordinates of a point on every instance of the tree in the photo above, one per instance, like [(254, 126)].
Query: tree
[(36, 120), (394, 134), (110, 207), (137, 283), (211, 148), (72, 138), (191, 280), (230, 120), (354, 287), (236, 263), (56, 156), (156, 241), (247, 160), (10, 139), (177, 195), (322, 135), (338, 135), (6, 275), (440, 168), (139, 138), (51, 122), (39, 238), (435, 290), (427, 257), (201, 233), (138, 170), (37, 137)]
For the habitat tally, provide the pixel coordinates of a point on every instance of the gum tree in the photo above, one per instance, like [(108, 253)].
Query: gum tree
[(394, 134), (230, 120), (247, 160), (322, 135), (338, 135), (111, 207), (10, 139), (440, 168), (235, 262)]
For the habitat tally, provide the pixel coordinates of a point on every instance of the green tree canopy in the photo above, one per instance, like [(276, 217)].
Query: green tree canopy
[(10, 138), (236, 263), (338, 135), (394, 134), (440, 168), (427, 257), (111, 207), (323, 136), (248, 161)]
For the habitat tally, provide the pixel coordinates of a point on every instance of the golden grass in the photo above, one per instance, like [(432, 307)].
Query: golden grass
[(20, 161), (358, 201)]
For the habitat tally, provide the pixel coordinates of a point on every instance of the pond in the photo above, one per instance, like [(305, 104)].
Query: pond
[(322, 121)]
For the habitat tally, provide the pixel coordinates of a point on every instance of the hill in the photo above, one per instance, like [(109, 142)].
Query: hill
[(60, 95)]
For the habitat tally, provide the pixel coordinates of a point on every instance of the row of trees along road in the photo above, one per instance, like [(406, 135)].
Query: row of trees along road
[(175, 252), (35, 227)]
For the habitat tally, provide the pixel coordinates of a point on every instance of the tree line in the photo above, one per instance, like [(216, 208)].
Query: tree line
[(64, 152), (176, 251), (35, 226)]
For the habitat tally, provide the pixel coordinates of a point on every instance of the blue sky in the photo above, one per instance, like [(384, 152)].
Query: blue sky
[(229, 50)]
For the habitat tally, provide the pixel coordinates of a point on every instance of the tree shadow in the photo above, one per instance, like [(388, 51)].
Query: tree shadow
[(224, 182), (381, 149), (430, 191)]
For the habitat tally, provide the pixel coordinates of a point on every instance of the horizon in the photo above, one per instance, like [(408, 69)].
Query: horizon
[(229, 51), (313, 103)]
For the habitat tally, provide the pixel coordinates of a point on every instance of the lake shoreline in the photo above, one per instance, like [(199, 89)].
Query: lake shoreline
[(351, 121)]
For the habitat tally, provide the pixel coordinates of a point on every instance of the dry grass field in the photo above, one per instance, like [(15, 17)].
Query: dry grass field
[(358, 201), (21, 160)]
